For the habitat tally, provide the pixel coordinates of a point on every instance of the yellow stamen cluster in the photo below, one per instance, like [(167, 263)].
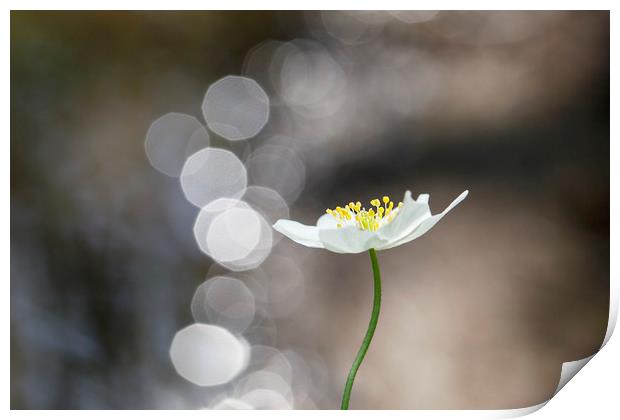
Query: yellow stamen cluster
[(371, 219)]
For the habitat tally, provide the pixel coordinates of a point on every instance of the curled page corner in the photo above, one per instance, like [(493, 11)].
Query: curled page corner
[(569, 369), (517, 412), (613, 311)]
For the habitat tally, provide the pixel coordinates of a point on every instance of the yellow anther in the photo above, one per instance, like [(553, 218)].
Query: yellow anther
[(381, 212)]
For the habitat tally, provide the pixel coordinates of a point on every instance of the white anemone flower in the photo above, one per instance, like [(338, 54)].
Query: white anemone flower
[(353, 229)]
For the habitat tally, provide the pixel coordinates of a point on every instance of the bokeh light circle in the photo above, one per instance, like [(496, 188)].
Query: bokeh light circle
[(206, 216), (348, 27), (257, 66), (267, 358), (263, 330), (233, 234), (258, 254), (266, 399), (231, 404), (285, 285), (213, 173), (254, 279), (236, 108), (279, 168), (308, 79), (269, 203), (207, 355), (199, 140), (264, 379), (167, 141), (224, 301)]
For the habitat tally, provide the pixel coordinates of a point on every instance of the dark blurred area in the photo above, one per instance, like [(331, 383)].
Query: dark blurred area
[(479, 313)]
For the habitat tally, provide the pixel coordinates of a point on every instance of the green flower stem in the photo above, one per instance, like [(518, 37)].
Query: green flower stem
[(374, 318)]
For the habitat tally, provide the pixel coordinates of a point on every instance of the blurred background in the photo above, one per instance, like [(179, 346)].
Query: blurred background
[(151, 152)]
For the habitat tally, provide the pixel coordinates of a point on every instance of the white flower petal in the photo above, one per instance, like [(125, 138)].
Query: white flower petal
[(426, 224), (302, 234), (348, 240), (409, 216), (422, 198), (411, 221), (327, 221)]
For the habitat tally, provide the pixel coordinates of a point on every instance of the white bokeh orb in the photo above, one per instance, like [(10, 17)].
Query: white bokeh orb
[(236, 108), (167, 141), (233, 234), (263, 330), (207, 355), (279, 168), (224, 301), (269, 203), (199, 140), (256, 66), (310, 80), (266, 399), (270, 359), (231, 404), (213, 173), (206, 216), (265, 379), (253, 279), (348, 28)]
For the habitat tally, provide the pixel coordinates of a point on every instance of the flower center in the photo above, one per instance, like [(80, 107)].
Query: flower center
[(353, 214)]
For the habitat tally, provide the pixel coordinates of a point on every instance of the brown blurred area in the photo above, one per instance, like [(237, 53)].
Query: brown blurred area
[(479, 313)]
